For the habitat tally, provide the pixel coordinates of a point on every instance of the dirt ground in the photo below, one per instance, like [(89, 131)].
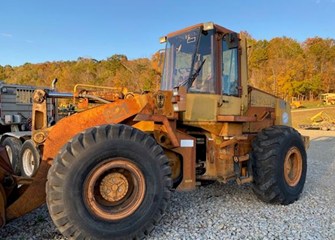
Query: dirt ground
[(216, 212)]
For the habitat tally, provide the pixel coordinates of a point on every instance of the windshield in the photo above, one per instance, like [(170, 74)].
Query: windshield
[(188, 62)]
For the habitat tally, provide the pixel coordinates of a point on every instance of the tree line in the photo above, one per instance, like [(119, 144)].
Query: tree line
[(281, 66), (287, 68), (137, 75)]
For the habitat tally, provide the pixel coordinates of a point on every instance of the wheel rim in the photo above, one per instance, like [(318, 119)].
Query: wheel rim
[(115, 189), (28, 162), (293, 167), (9, 153)]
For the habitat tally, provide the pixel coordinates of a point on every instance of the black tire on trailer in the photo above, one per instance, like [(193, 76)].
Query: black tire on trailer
[(109, 182), (29, 159), (13, 148), (279, 165)]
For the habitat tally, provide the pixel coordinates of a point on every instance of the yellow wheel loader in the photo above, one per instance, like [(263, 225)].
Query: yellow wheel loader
[(107, 171)]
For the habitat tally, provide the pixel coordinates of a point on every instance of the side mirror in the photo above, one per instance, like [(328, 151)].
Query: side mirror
[(232, 40)]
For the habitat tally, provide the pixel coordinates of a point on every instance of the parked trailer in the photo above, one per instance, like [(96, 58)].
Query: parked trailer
[(15, 126)]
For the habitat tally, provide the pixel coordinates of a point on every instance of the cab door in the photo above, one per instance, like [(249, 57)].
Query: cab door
[(229, 73)]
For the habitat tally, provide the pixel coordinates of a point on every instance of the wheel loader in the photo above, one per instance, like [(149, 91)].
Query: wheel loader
[(107, 171)]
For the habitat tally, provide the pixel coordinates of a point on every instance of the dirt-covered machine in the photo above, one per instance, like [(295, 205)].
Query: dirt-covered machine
[(109, 171)]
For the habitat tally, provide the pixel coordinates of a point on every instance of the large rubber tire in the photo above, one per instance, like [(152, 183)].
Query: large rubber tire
[(13, 148), (279, 165), (109, 182), (29, 159)]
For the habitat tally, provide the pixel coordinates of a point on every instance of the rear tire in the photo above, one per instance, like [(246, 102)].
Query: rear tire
[(13, 148), (109, 182), (29, 159), (279, 165)]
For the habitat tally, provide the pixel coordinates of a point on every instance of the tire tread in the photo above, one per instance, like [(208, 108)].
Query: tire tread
[(266, 150), (67, 157)]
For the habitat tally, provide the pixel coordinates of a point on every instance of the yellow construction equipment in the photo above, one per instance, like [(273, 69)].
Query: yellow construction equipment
[(320, 121), (328, 98), (295, 103), (107, 172)]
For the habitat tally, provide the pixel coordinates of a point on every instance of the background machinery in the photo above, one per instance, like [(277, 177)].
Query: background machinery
[(109, 170), (327, 98), (320, 121), (15, 126)]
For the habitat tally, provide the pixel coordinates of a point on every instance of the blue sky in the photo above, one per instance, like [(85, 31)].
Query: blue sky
[(37, 31)]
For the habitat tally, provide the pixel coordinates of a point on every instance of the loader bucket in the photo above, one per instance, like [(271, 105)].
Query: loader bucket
[(31, 195), (5, 170), (2, 206)]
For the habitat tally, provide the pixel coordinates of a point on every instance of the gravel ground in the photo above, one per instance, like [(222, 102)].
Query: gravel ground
[(230, 211)]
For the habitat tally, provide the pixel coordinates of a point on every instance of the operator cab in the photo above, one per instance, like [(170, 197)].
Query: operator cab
[(204, 58)]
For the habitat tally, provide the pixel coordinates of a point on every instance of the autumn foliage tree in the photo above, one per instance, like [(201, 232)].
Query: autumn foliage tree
[(281, 66), (286, 68), (137, 75)]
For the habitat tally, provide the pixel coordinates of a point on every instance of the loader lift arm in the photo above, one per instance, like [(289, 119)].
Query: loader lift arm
[(50, 139)]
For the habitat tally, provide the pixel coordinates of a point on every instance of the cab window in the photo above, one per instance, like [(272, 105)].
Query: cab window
[(229, 70)]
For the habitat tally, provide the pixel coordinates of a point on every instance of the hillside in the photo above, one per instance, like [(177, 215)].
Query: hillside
[(281, 66)]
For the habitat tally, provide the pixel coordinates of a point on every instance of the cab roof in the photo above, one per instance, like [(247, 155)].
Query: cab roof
[(205, 26)]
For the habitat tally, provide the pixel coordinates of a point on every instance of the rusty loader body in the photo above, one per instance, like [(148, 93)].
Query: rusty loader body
[(109, 170)]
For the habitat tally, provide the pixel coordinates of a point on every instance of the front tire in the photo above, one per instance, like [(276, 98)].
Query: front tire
[(109, 182), (279, 165)]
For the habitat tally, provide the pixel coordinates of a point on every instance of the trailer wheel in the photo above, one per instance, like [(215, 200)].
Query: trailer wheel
[(109, 182), (13, 148), (279, 165), (29, 159)]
